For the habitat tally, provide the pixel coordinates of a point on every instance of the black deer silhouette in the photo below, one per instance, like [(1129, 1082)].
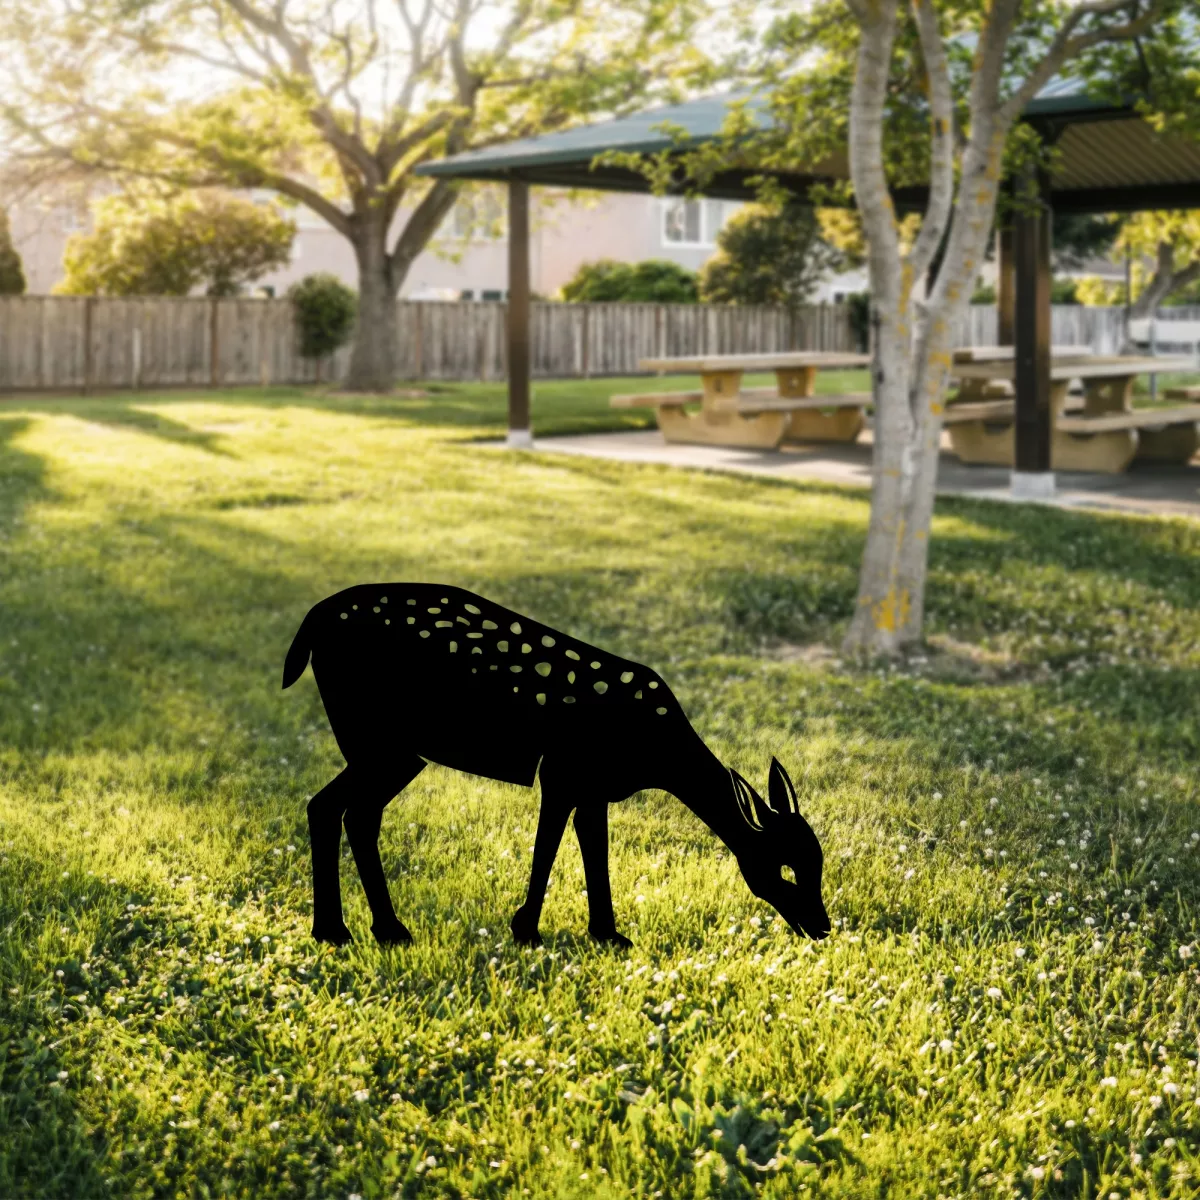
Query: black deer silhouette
[(411, 673)]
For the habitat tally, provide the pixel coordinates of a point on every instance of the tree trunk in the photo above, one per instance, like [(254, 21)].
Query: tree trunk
[(373, 357), (911, 372), (1164, 281)]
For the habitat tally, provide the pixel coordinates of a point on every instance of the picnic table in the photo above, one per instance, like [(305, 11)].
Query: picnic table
[(1104, 433), (754, 418)]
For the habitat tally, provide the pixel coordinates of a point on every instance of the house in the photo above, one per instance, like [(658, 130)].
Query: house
[(468, 257)]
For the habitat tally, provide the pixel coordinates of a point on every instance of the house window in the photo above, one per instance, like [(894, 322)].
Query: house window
[(479, 216), (692, 222)]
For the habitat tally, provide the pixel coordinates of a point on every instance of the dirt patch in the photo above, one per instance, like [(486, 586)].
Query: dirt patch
[(395, 394), (816, 655), (942, 658)]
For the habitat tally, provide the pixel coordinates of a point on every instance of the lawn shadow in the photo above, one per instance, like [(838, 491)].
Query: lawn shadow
[(128, 413), (22, 474)]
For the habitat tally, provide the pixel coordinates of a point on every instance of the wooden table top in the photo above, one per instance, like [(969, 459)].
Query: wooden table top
[(1094, 366), (780, 361)]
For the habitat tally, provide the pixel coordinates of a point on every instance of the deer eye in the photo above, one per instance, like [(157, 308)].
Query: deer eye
[(788, 874)]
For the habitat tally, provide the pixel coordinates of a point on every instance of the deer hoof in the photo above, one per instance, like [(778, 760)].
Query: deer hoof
[(392, 935), (610, 937), (334, 934), (524, 932)]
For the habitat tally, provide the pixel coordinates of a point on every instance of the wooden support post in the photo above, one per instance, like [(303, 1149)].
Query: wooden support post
[(1005, 286), (1032, 476), (587, 341), (89, 309), (519, 432)]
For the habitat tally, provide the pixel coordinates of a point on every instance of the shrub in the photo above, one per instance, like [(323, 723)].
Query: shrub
[(859, 304), (146, 244), (769, 256), (325, 309), (12, 277), (654, 281)]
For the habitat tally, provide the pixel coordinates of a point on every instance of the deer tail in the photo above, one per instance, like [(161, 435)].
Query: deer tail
[(299, 651)]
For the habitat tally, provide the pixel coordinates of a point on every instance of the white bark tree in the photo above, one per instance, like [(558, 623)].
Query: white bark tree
[(913, 332)]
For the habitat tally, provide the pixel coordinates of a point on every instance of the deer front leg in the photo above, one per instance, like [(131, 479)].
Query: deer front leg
[(591, 827), (552, 820), (374, 789)]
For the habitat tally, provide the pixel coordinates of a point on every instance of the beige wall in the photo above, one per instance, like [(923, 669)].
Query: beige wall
[(567, 231)]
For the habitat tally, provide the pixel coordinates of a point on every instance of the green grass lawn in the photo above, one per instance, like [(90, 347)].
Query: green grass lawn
[(1008, 1004)]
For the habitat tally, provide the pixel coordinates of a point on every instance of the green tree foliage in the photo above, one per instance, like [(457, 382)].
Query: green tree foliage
[(1078, 237), (654, 281), (325, 309), (12, 276), (768, 255), (334, 103), (147, 245)]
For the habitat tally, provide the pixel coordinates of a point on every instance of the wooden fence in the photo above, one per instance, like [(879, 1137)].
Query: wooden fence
[(1101, 329), (91, 343)]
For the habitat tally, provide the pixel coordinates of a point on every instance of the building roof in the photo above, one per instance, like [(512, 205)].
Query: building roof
[(1109, 158)]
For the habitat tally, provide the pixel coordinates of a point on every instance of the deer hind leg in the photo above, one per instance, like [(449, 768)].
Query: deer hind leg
[(325, 811), (552, 821), (374, 789)]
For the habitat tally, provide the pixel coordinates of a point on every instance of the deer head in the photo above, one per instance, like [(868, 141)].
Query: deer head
[(782, 840)]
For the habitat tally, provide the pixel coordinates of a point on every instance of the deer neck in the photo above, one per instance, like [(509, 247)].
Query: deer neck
[(702, 783)]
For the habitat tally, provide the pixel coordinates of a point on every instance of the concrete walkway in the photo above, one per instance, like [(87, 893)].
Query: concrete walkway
[(1144, 489)]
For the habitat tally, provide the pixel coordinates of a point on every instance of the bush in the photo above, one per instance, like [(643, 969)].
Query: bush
[(769, 256), (655, 281), (12, 277), (325, 309), (1064, 291), (859, 304), (147, 244)]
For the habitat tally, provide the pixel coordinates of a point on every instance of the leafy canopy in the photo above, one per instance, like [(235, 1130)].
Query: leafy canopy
[(768, 255), (144, 244)]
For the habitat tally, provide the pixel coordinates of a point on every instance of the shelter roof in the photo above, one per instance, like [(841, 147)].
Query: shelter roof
[(1109, 159)]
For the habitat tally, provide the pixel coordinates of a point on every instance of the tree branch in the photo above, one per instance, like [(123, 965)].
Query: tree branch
[(941, 156), (1066, 45), (421, 226), (348, 147)]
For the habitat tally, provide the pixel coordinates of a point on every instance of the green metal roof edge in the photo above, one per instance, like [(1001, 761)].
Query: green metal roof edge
[(1063, 101)]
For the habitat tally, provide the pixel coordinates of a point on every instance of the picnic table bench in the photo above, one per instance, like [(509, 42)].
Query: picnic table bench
[(1105, 433), (754, 418)]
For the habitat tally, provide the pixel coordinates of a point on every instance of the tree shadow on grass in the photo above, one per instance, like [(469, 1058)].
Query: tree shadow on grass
[(463, 408), (22, 475), (128, 413)]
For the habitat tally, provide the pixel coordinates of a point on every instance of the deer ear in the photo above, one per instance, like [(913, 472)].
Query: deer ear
[(749, 802), (781, 791)]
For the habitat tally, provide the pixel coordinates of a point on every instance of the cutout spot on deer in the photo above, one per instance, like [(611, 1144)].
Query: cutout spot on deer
[(413, 673)]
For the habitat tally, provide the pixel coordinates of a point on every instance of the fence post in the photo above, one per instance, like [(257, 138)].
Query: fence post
[(587, 348), (264, 359), (137, 357), (418, 339), (89, 303), (214, 343)]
